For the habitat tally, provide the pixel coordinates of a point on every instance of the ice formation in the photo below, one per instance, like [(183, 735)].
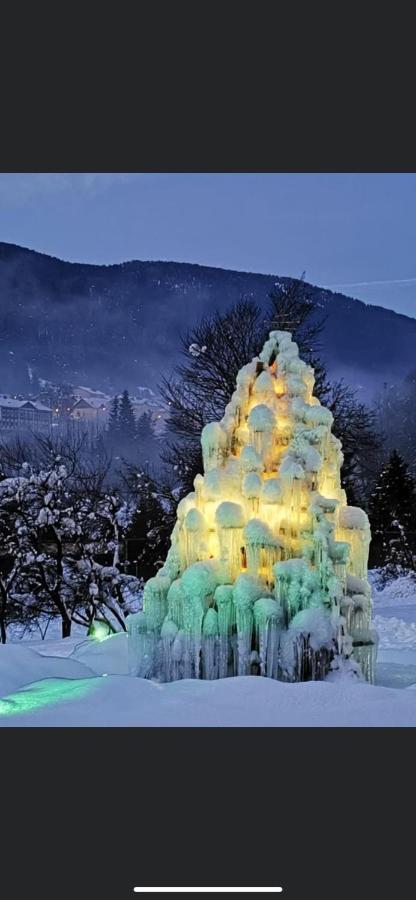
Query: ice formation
[(267, 569)]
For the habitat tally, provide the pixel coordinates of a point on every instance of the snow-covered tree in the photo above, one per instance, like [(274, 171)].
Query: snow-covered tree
[(126, 418), (396, 414), (14, 606), (145, 431), (113, 419), (147, 442), (392, 510), (154, 500), (63, 531)]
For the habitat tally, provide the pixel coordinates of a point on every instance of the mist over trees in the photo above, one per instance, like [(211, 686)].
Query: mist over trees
[(396, 413), (129, 439)]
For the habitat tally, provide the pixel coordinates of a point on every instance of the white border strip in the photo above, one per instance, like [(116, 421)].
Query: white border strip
[(208, 890)]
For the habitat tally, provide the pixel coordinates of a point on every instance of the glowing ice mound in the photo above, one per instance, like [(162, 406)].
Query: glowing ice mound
[(267, 570)]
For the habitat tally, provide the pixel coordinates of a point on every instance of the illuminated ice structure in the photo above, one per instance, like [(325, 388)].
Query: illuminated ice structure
[(267, 569)]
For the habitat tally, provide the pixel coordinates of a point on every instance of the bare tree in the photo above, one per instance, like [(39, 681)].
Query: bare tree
[(202, 385), (215, 351), (292, 308)]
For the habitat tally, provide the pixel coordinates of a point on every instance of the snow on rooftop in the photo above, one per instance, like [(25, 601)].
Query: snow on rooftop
[(12, 403), (91, 392)]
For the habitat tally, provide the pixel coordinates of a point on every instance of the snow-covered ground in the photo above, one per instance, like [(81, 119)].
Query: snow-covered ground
[(394, 618), (80, 681)]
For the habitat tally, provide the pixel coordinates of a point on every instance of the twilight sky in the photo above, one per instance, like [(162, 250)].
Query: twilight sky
[(356, 232)]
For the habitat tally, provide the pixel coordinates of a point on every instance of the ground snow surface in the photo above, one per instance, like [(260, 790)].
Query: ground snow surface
[(79, 681)]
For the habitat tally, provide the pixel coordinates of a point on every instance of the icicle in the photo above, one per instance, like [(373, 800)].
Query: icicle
[(141, 646), (214, 443), (268, 619), (365, 652), (354, 528), (168, 634), (271, 507), (178, 656), (223, 598), (339, 554), (210, 645), (193, 618), (175, 602), (263, 549), (288, 580), (199, 582), (244, 637), (230, 522), (195, 530), (155, 601), (185, 505), (251, 490), (261, 423), (198, 485), (314, 637), (245, 593)]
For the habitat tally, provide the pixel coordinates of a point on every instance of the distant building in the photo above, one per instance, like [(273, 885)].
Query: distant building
[(92, 410), (94, 406), (29, 415)]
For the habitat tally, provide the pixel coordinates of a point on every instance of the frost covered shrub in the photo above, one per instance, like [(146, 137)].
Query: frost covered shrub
[(61, 531)]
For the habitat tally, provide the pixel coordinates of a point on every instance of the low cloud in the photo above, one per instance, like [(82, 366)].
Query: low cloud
[(19, 188)]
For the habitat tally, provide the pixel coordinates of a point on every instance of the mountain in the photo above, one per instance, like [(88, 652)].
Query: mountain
[(118, 326)]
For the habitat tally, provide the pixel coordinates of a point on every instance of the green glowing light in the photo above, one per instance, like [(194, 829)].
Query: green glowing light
[(100, 631), (48, 692)]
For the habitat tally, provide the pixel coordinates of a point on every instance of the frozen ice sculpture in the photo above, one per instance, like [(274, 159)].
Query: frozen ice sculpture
[(267, 569)]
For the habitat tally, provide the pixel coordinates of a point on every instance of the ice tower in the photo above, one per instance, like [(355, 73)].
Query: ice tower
[(267, 569)]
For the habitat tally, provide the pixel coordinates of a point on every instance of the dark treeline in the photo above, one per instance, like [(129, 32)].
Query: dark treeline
[(127, 438)]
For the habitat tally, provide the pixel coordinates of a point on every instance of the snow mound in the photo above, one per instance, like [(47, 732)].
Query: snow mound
[(400, 592), (245, 701), (108, 657), (395, 633), (21, 665)]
